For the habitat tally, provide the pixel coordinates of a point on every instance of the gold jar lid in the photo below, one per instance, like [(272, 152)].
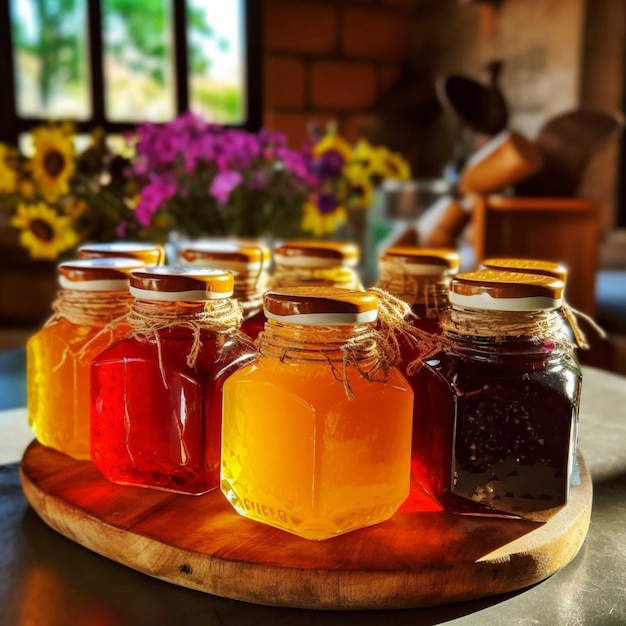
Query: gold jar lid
[(320, 306), (180, 284), (530, 266), (422, 261), (105, 274), (307, 253), (149, 253), (506, 291), (246, 257)]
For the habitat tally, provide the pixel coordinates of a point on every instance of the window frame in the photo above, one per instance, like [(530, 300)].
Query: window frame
[(12, 125)]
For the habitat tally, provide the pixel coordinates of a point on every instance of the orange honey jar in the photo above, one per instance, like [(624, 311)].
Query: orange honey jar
[(316, 432), (94, 294)]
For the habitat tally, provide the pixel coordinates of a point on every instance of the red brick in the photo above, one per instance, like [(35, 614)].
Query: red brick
[(387, 75), (299, 26), (352, 128), (345, 86), (284, 82), (296, 125), (374, 34)]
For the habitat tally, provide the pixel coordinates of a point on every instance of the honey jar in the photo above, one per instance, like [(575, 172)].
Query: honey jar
[(89, 316), (316, 432)]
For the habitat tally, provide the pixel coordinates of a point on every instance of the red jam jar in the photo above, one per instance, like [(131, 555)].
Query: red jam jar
[(248, 261), (156, 397), (316, 263), (148, 253), (496, 424)]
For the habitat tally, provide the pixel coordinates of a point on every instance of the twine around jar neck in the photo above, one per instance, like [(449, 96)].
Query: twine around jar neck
[(372, 349), (148, 320), (544, 329), (89, 308)]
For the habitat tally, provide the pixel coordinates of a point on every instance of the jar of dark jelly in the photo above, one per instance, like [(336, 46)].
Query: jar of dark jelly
[(312, 263), (248, 261), (156, 396), (496, 426)]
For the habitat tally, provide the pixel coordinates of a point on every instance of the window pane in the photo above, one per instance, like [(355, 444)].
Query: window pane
[(138, 60), (51, 58), (216, 50)]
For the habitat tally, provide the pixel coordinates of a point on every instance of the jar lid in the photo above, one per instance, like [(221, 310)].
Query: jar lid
[(317, 253), (530, 266), (167, 283), (320, 306), (506, 291), (106, 274), (423, 261), (237, 256), (149, 253)]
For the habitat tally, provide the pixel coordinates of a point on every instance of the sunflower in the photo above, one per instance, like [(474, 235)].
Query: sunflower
[(53, 162), (333, 142), (8, 176), (323, 214), (44, 233), (360, 186), (394, 165)]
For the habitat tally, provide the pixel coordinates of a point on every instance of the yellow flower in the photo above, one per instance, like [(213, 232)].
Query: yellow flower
[(359, 193), (53, 162), (74, 207), (320, 221), (394, 165), (380, 161), (8, 176), (44, 233), (333, 142)]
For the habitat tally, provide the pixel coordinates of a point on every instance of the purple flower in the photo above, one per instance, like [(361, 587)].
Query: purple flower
[(272, 138), (152, 197), (121, 229), (258, 180), (223, 184), (295, 162), (326, 202), (330, 164)]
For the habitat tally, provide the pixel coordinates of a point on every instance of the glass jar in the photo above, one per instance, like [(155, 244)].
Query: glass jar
[(88, 316), (316, 433), (248, 261), (420, 277), (156, 395), (496, 422), (316, 263), (149, 253)]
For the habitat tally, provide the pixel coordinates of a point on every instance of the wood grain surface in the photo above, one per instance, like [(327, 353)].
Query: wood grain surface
[(200, 542)]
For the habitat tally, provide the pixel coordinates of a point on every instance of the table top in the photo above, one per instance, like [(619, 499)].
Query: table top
[(48, 580)]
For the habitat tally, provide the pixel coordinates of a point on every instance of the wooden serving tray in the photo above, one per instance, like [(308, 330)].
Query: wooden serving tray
[(200, 542)]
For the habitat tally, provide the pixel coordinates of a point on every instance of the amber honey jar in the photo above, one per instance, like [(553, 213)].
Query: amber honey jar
[(316, 432), (496, 420), (88, 317), (148, 253), (316, 263), (249, 263), (157, 395)]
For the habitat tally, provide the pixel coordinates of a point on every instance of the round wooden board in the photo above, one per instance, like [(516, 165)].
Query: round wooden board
[(412, 560)]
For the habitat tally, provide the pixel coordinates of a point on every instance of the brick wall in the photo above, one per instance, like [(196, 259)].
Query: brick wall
[(331, 60)]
